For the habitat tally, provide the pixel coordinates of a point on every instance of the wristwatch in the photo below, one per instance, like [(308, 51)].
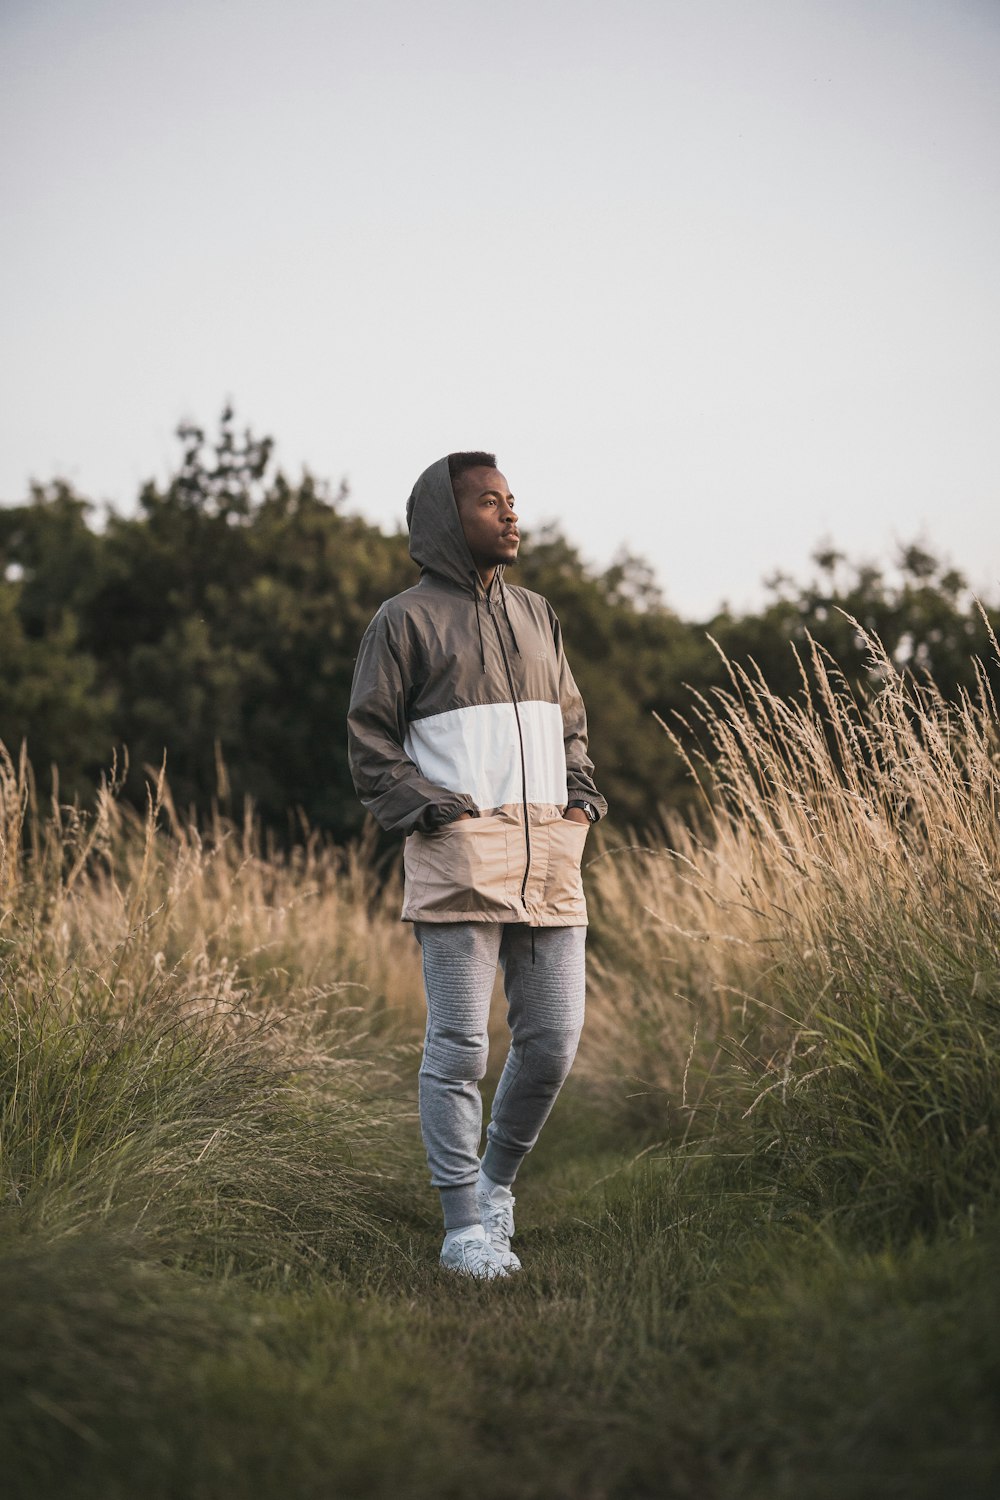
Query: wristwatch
[(589, 809)]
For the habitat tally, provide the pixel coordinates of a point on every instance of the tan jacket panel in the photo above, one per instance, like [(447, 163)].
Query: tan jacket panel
[(473, 870)]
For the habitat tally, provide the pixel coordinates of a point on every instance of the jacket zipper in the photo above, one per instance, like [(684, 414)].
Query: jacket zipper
[(520, 740)]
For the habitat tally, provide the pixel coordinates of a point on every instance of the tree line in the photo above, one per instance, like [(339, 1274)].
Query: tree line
[(218, 625)]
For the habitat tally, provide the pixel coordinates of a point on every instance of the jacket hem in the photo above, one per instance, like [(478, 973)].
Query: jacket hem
[(577, 919)]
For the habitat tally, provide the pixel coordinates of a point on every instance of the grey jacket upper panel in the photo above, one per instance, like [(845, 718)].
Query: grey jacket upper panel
[(459, 696)]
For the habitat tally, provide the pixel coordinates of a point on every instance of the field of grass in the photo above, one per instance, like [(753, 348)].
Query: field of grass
[(761, 1233)]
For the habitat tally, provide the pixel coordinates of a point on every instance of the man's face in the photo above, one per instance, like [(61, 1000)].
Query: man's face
[(486, 511)]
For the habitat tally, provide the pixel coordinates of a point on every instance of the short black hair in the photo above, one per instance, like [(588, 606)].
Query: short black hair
[(458, 463)]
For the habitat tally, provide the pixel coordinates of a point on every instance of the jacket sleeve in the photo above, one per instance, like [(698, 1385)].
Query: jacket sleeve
[(579, 767), (387, 781)]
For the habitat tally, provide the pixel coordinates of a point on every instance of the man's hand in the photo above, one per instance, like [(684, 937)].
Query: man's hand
[(575, 815)]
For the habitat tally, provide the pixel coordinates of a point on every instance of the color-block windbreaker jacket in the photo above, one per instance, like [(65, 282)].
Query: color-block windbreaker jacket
[(463, 701)]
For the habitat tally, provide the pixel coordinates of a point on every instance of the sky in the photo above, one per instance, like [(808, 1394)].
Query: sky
[(716, 279)]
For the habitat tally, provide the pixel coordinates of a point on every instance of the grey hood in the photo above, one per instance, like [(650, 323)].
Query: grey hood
[(437, 541)]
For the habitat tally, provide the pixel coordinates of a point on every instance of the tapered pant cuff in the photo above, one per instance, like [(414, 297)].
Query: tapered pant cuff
[(458, 1204), (500, 1163)]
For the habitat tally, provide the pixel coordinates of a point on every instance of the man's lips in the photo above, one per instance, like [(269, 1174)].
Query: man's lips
[(511, 536)]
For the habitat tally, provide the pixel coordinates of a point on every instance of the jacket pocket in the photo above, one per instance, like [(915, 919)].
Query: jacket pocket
[(563, 888), (462, 868)]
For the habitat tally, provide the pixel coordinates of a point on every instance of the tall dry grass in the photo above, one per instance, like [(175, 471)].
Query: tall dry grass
[(824, 942), (155, 895), (200, 1042)]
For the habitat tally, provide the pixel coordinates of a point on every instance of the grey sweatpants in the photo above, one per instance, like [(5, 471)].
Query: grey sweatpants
[(545, 1000)]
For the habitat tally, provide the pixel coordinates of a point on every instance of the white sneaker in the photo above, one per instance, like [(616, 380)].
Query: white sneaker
[(496, 1210), (469, 1252)]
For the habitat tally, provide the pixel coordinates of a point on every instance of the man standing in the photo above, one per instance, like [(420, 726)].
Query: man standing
[(467, 733)]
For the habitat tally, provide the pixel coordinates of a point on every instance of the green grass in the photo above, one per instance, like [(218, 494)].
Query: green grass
[(671, 1335)]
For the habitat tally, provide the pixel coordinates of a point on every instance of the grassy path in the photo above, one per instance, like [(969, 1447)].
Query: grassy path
[(667, 1338)]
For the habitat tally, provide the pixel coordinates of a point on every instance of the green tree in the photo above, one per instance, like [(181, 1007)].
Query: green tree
[(228, 616), (924, 616), (51, 695)]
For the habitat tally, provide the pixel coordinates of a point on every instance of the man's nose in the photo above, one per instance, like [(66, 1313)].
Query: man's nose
[(508, 506)]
